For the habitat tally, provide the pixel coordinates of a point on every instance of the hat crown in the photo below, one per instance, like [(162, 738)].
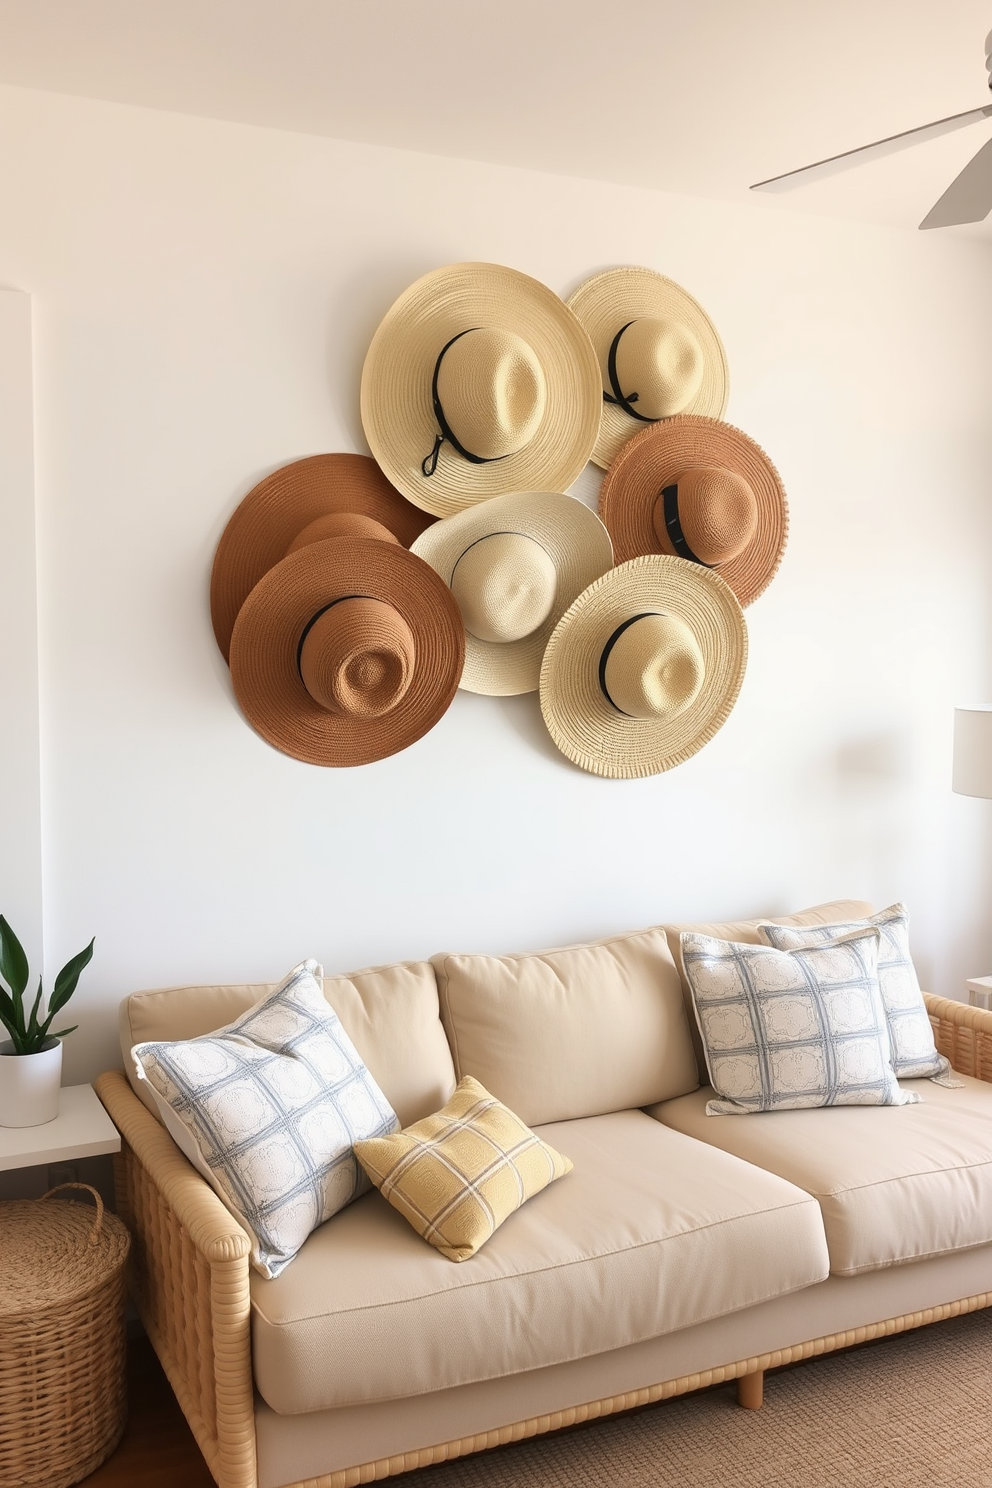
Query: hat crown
[(662, 362), (717, 512), (505, 585), (357, 658), (340, 524), (492, 389), (653, 667)]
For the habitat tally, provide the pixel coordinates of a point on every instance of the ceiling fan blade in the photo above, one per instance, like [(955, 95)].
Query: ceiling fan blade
[(888, 146), (969, 196)]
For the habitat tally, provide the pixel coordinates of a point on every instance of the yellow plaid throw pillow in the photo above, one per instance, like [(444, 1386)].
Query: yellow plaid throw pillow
[(458, 1174)]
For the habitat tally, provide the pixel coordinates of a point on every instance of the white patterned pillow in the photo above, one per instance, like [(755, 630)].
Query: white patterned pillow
[(914, 1053), (268, 1110), (783, 1030)]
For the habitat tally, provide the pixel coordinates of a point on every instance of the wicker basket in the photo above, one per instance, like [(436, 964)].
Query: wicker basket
[(62, 1393)]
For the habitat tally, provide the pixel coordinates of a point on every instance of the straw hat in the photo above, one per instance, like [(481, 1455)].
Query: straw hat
[(479, 381), (644, 668), (699, 489), (346, 651), (515, 564), (658, 350), (321, 496)]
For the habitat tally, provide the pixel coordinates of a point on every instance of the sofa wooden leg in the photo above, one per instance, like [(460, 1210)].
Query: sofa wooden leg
[(751, 1390)]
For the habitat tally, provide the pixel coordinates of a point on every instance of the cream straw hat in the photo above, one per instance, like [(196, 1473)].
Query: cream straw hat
[(515, 564), (659, 353), (644, 668), (699, 489), (479, 381)]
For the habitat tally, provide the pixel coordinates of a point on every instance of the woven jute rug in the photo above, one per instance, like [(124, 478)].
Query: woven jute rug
[(913, 1411)]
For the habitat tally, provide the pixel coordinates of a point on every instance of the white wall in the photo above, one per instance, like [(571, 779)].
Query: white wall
[(204, 297), (20, 780)]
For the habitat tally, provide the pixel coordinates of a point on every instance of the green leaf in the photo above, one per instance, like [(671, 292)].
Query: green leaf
[(7, 1017), (32, 1027), (13, 962), (65, 982), (63, 1031)]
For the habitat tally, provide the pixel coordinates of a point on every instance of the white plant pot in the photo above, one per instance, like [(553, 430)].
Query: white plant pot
[(29, 1084)]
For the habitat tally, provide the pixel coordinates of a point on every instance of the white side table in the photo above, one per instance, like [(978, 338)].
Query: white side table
[(980, 991), (81, 1129)]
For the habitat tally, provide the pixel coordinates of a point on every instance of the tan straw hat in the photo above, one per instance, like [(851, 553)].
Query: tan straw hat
[(659, 353), (479, 381), (346, 651), (321, 496), (699, 489), (644, 668), (515, 564)]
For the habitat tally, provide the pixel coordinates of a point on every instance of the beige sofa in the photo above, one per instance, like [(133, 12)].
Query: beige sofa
[(681, 1251)]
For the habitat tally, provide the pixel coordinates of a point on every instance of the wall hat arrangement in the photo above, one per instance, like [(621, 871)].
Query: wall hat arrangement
[(479, 381), (346, 651), (644, 668), (318, 497), (699, 489), (659, 353), (515, 564)]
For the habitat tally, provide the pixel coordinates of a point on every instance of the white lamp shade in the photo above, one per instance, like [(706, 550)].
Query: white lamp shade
[(973, 751)]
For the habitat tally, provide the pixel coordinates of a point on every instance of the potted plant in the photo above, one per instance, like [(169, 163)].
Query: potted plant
[(31, 1058)]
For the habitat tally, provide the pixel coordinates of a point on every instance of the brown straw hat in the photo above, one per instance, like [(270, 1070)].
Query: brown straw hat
[(299, 503), (644, 668), (659, 353), (515, 564), (701, 490), (479, 381), (347, 651)]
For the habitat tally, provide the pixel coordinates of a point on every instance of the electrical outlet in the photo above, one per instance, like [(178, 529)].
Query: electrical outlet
[(63, 1172)]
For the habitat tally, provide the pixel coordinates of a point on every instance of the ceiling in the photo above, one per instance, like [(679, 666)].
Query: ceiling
[(699, 98)]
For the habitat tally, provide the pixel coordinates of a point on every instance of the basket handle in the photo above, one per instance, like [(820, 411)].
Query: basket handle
[(87, 1188)]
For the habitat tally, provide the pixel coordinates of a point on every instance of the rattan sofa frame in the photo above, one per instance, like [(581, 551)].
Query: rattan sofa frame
[(189, 1282)]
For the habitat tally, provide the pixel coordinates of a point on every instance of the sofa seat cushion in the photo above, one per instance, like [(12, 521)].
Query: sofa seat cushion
[(650, 1232), (894, 1183)]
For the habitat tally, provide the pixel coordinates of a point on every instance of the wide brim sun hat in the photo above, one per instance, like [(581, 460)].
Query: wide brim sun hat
[(320, 496), (479, 381), (346, 651), (644, 668), (515, 564), (699, 489), (659, 353)]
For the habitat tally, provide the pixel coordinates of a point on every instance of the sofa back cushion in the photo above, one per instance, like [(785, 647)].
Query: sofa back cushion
[(389, 1012), (746, 932), (570, 1033)]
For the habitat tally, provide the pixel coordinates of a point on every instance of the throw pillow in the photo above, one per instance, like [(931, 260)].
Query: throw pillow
[(783, 1030), (456, 1175), (914, 1053), (268, 1110)]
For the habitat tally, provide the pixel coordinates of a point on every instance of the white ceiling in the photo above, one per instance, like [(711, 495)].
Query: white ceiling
[(693, 96)]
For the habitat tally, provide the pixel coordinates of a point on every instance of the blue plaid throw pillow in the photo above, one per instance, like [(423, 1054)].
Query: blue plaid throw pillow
[(268, 1109), (914, 1053), (783, 1030)]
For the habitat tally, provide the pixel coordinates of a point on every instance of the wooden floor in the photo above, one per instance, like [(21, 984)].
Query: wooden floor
[(157, 1449)]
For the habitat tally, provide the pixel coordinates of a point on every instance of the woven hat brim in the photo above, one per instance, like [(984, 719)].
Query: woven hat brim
[(397, 412), (575, 540), (271, 621), (653, 459), (280, 506), (585, 727), (609, 300)]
